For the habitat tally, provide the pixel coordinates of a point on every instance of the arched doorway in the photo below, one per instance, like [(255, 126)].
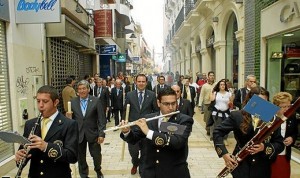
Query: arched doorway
[(232, 51)]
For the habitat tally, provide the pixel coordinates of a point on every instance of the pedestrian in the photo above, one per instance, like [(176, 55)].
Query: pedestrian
[(102, 92), (281, 168), (117, 94), (161, 85), (88, 112), (244, 127), (189, 92), (204, 99), (142, 102), (242, 92), (183, 105), (53, 145), (220, 110), (164, 154), (68, 92)]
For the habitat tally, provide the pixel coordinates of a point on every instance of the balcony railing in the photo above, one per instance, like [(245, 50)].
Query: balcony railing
[(179, 19)]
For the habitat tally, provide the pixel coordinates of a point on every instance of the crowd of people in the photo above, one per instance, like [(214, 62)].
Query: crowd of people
[(94, 101)]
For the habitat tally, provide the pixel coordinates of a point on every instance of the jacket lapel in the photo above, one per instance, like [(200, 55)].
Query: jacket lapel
[(55, 127)]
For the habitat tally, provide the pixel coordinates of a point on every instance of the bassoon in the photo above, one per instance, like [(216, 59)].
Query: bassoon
[(23, 162), (266, 130)]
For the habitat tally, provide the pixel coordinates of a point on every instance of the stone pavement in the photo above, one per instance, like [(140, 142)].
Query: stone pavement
[(203, 160)]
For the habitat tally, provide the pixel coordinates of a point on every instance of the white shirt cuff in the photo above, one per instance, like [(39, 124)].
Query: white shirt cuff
[(150, 134), (126, 134)]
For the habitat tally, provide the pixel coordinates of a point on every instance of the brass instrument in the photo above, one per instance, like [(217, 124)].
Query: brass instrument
[(22, 163), (266, 130), (129, 124)]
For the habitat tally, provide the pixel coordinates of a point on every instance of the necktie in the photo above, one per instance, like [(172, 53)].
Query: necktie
[(165, 119), (161, 86), (83, 106), (44, 127), (118, 92), (140, 98)]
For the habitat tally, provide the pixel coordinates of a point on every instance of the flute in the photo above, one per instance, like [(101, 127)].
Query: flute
[(22, 163), (129, 124)]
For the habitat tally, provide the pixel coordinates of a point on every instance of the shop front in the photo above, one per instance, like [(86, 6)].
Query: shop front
[(280, 32)]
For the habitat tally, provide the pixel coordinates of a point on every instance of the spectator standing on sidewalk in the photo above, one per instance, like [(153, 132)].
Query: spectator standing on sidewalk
[(242, 92), (204, 99)]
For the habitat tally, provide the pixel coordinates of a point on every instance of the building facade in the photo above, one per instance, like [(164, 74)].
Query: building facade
[(205, 36)]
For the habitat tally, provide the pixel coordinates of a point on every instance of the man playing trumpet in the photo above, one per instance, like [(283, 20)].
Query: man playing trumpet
[(162, 149)]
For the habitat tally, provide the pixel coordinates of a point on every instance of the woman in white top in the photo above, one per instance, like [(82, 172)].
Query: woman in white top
[(223, 98)]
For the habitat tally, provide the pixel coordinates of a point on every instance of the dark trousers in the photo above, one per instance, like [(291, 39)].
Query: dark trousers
[(134, 153), (117, 117), (95, 151)]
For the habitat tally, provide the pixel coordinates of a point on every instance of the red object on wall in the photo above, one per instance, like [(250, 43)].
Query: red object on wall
[(103, 23), (293, 52)]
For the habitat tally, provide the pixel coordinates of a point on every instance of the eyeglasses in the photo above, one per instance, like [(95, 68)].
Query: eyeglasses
[(252, 81), (169, 104)]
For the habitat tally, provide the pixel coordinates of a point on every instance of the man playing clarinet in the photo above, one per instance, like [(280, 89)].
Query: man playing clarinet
[(54, 140), (163, 153)]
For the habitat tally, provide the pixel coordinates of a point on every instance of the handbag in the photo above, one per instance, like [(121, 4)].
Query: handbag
[(212, 104)]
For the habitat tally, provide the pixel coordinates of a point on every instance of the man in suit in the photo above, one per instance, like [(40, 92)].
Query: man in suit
[(183, 105), (161, 85), (88, 112), (68, 92), (189, 93), (141, 102), (117, 94), (164, 153), (54, 142), (240, 94), (102, 92)]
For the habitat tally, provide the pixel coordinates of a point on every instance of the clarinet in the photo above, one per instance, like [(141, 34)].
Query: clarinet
[(22, 163), (266, 130)]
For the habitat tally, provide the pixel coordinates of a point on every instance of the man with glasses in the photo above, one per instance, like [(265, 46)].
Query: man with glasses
[(163, 154), (183, 105), (240, 95), (142, 102)]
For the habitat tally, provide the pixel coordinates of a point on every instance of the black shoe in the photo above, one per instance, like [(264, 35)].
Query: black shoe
[(100, 175)]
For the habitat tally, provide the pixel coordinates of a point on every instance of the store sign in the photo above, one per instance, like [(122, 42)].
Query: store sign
[(121, 57), (4, 10), (37, 11), (289, 11), (103, 23), (108, 49)]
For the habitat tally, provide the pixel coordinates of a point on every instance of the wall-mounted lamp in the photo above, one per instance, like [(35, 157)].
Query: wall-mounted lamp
[(215, 19), (239, 1), (277, 55)]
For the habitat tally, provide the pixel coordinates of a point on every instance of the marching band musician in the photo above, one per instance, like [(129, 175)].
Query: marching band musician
[(258, 163), (163, 154), (54, 143), (281, 168)]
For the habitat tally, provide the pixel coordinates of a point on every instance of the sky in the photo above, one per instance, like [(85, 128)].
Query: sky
[(149, 13)]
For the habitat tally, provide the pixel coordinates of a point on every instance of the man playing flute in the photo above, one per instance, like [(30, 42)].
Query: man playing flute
[(164, 154)]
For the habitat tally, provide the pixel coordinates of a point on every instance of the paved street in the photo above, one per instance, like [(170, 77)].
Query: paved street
[(203, 160)]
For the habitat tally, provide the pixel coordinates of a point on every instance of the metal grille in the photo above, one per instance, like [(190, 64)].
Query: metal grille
[(63, 62), (6, 150), (86, 65)]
